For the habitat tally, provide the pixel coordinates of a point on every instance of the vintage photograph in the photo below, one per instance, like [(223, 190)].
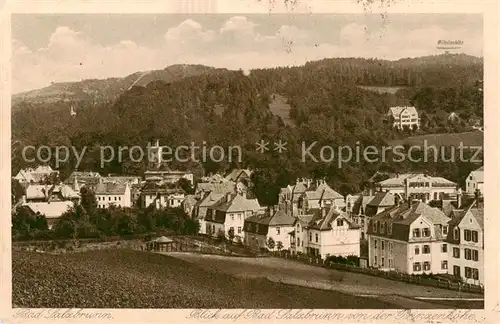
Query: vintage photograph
[(247, 161)]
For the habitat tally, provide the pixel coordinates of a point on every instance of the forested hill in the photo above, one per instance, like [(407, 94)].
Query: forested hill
[(105, 90), (327, 105)]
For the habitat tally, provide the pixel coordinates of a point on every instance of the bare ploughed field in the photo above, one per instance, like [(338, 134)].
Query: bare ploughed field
[(296, 273)]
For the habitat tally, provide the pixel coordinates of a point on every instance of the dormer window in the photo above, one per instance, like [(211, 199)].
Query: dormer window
[(374, 226), (382, 228), (389, 229), (340, 222), (455, 233), (445, 229)]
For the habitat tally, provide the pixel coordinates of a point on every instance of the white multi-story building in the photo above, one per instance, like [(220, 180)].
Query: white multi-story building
[(409, 239), (404, 117), (475, 181), (327, 233), (410, 186), (466, 245), (108, 194), (229, 214)]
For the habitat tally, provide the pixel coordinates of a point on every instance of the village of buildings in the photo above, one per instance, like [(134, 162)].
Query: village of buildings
[(411, 223)]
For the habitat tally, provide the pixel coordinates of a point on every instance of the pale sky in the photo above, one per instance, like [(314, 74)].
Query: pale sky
[(57, 48)]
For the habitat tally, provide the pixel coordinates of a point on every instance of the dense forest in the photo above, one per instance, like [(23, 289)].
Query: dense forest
[(222, 107)]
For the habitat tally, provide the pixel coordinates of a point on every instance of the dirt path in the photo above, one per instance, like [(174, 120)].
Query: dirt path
[(296, 273)]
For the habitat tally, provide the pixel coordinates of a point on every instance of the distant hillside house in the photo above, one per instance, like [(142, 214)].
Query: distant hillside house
[(419, 186), (409, 239), (161, 196), (475, 181), (229, 214), (260, 228), (35, 176), (466, 245), (404, 117), (108, 194)]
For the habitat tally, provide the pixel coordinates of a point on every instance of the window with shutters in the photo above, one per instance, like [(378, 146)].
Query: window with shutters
[(468, 254), (467, 235), (474, 236)]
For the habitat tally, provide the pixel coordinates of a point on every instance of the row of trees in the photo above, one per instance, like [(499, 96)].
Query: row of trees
[(87, 221)]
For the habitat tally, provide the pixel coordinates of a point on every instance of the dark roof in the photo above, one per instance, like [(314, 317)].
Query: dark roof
[(402, 216), (382, 199), (110, 188), (258, 224), (281, 218)]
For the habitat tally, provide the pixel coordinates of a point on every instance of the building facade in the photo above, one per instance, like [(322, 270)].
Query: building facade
[(417, 186), (404, 117), (475, 181), (466, 245), (112, 194), (410, 239)]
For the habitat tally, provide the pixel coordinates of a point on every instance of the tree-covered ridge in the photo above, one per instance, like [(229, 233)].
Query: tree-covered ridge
[(231, 108)]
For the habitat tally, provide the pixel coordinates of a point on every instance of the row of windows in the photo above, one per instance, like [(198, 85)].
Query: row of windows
[(232, 229), (468, 235), (382, 245), (470, 273), (382, 262), (99, 198), (316, 237), (380, 227), (469, 254), (426, 266)]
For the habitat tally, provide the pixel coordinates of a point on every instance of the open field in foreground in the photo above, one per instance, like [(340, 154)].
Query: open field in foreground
[(402, 294), (133, 279)]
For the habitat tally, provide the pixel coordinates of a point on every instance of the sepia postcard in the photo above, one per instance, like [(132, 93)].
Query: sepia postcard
[(248, 161)]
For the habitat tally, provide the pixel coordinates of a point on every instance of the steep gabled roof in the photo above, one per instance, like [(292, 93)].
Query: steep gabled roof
[(236, 203), (325, 223), (382, 199), (281, 218), (478, 174)]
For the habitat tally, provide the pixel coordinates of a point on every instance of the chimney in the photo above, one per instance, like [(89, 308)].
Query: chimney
[(228, 196), (323, 212), (459, 199), (24, 199)]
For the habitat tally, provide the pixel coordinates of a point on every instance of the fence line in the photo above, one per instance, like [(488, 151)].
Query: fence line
[(392, 275)]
